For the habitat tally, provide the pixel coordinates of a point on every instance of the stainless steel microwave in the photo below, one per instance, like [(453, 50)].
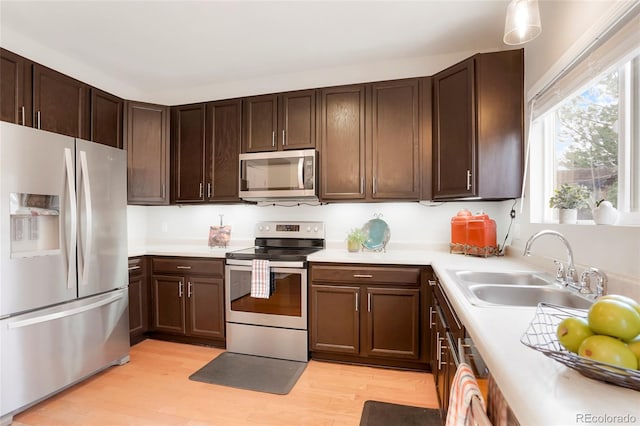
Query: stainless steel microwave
[(279, 175)]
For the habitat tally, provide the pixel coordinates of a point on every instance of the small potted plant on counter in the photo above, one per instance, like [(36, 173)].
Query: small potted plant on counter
[(568, 199), (355, 238)]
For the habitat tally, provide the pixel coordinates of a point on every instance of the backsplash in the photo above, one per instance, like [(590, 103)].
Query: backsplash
[(410, 223)]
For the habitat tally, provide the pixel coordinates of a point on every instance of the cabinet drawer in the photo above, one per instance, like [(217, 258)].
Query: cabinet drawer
[(136, 266), (453, 323), (187, 265), (366, 274)]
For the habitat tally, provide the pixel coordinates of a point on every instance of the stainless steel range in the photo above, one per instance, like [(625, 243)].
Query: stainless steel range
[(275, 326)]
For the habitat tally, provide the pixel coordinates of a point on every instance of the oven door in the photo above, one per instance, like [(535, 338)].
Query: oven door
[(287, 306)]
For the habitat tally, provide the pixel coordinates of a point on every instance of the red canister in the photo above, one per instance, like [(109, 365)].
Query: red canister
[(481, 235), (459, 231)]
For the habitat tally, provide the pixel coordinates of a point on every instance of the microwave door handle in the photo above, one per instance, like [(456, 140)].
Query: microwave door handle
[(301, 173)]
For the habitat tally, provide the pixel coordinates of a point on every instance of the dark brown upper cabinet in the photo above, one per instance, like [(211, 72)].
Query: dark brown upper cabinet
[(106, 118), (478, 113), (15, 88), (187, 153), (60, 103), (370, 141), (395, 140), (342, 143), (205, 140), (223, 137), (280, 121), (147, 144)]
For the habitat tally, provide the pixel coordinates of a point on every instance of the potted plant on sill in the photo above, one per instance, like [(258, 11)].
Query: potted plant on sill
[(568, 199), (355, 238)]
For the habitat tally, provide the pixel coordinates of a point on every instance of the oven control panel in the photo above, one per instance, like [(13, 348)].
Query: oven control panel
[(289, 229)]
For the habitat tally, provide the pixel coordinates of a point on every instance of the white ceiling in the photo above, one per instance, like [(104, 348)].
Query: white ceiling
[(173, 52)]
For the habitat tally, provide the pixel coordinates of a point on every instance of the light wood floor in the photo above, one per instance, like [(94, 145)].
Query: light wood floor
[(154, 389)]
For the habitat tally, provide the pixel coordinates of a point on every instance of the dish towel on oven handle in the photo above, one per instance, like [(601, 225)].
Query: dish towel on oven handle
[(260, 279), (466, 403)]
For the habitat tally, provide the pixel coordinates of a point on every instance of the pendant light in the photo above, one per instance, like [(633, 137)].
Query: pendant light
[(522, 23)]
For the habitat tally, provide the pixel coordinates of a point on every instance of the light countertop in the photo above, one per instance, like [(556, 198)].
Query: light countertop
[(540, 391)]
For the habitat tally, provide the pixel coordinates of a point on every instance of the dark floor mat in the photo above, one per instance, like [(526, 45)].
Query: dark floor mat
[(377, 413), (251, 372)]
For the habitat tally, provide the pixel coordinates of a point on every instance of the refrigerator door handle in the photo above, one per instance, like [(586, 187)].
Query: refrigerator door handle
[(63, 314), (71, 250), (88, 235)]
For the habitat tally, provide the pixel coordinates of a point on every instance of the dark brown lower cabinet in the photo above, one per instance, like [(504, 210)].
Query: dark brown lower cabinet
[(138, 300), (187, 297), (367, 314)]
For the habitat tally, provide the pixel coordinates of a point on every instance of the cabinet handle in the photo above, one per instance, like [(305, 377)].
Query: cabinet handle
[(180, 289), (357, 302), (432, 283), (283, 140), (368, 302), (133, 268), (23, 116), (431, 323), (201, 193), (38, 120), (189, 292), (163, 195), (438, 350), (361, 185), (362, 276), (273, 138), (209, 190), (183, 267), (374, 186), (468, 180), (441, 347)]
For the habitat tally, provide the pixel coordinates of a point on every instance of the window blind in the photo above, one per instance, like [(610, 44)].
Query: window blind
[(618, 44)]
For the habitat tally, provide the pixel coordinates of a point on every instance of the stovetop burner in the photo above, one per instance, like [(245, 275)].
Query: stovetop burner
[(273, 253)]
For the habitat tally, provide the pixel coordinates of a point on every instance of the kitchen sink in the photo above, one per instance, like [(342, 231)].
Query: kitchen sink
[(516, 288), (528, 296), (505, 278)]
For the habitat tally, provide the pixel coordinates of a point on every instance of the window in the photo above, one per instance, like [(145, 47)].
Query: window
[(589, 134)]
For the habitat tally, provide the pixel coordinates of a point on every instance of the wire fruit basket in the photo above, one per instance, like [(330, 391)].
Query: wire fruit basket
[(541, 336)]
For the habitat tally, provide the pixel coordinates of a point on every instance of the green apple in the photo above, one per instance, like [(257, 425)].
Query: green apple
[(608, 350), (614, 318), (572, 331), (634, 346), (622, 298)]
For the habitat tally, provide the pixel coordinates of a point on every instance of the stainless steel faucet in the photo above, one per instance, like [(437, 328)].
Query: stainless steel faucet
[(568, 276)]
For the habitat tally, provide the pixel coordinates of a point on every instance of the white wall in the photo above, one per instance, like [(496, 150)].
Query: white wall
[(614, 249), (411, 224)]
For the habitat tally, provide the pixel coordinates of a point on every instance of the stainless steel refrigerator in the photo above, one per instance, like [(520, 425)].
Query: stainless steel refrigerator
[(63, 263)]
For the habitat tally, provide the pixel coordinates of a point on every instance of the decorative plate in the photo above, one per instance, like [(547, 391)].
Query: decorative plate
[(377, 232)]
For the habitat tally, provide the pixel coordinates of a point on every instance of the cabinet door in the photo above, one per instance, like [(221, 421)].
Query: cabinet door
[(147, 145), (395, 140), (334, 319), (15, 104), (60, 103), (187, 153), (138, 299), (441, 369), (106, 118), (223, 141), (393, 322), (297, 120), (342, 163), (454, 132), (260, 123), (206, 307), (168, 303)]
